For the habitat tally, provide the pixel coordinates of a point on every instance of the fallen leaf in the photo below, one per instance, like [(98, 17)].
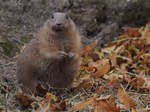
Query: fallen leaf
[(133, 110), (83, 104), (134, 32), (146, 58), (90, 69), (125, 98), (105, 105), (119, 49), (138, 82), (88, 49), (146, 33), (113, 61), (47, 105), (103, 66), (114, 82), (44, 108), (24, 100), (84, 82)]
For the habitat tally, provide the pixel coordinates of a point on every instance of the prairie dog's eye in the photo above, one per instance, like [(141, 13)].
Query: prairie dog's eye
[(52, 17)]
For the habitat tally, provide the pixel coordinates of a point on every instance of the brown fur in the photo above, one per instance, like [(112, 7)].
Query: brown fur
[(52, 58)]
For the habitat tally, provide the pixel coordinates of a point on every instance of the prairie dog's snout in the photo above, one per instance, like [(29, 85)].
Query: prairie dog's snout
[(59, 21)]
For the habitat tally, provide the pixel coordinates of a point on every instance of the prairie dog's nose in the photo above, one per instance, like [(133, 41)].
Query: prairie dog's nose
[(58, 24)]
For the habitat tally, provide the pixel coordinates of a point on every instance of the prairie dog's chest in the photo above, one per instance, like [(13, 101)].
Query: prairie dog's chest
[(64, 45)]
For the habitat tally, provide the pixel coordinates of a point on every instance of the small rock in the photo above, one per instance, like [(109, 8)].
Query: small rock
[(107, 34)]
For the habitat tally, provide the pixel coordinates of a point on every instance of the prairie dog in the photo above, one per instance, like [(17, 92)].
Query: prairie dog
[(53, 57)]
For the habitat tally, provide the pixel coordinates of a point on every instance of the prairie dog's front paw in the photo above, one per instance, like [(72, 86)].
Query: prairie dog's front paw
[(66, 56), (63, 54)]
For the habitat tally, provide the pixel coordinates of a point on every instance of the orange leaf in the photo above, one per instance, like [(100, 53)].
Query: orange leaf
[(88, 49), (110, 44), (133, 110), (47, 106), (125, 98), (134, 32), (102, 66), (120, 48), (83, 104), (105, 105), (113, 60), (24, 100), (146, 58), (83, 83), (138, 82), (44, 108), (114, 83), (88, 69)]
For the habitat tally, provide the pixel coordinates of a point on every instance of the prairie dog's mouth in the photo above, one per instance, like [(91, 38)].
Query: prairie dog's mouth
[(57, 28)]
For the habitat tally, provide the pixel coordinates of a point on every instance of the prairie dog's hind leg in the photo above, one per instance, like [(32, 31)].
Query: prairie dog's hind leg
[(29, 84)]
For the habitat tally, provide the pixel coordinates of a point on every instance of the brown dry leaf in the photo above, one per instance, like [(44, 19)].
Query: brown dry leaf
[(146, 58), (48, 107), (110, 44), (120, 48), (108, 50), (60, 105), (84, 82), (133, 110), (77, 83), (103, 66), (53, 107), (146, 33), (113, 60), (88, 69), (24, 100), (45, 108), (123, 36), (134, 32), (125, 98), (98, 90), (105, 105), (114, 83), (138, 82), (83, 104), (88, 49)]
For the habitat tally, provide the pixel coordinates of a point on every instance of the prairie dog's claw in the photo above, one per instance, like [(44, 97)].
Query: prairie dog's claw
[(67, 56), (63, 54)]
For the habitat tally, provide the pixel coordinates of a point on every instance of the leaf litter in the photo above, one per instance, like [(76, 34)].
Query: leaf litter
[(115, 78)]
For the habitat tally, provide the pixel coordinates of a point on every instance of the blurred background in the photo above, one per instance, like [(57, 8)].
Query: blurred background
[(95, 19)]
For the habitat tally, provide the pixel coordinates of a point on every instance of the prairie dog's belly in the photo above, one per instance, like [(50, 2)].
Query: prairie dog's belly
[(65, 45)]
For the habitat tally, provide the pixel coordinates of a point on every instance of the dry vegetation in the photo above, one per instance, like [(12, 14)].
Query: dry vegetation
[(113, 79)]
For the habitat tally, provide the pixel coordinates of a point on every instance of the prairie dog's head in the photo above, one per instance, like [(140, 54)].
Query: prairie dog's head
[(59, 22)]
